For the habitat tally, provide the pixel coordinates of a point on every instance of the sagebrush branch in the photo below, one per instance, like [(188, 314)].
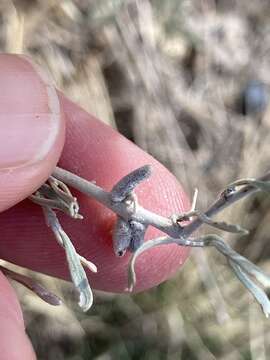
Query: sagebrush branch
[(133, 220), (126, 208), (167, 225), (229, 196)]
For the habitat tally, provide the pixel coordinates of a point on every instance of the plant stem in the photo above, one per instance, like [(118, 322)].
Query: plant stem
[(147, 217), (133, 220), (141, 215), (222, 203)]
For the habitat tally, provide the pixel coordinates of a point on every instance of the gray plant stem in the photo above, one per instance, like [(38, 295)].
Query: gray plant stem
[(147, 217), (223, 202), (133, 221), (141, 214)]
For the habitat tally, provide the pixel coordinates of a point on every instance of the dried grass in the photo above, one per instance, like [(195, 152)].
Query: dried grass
[(169, 75)]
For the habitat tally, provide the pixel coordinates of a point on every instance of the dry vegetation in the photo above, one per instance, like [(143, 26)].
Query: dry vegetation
[(175, 77)]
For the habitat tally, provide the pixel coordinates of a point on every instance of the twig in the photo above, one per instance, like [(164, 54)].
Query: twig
[(240, 265), (133, 220), (167, 225), (228, 197), (123, 208)]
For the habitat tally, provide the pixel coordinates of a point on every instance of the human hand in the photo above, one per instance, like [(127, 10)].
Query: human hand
[(31, 140)]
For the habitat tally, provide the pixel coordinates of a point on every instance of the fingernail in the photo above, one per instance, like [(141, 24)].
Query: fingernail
[(28, 113), (32, 129)]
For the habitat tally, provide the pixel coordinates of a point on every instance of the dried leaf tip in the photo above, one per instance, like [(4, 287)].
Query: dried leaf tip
[(56, 195), (34, 286), (128, 183)]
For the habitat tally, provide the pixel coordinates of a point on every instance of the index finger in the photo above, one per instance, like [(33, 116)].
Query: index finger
[(97, 152)]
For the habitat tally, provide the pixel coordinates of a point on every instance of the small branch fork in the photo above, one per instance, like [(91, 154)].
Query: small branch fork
[(133, 221)]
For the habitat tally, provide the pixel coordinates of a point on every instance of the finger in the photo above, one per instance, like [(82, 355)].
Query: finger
[(14, 343), (97, 152), (31, 129)]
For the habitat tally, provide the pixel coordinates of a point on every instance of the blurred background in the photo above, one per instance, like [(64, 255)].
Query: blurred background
[(188, 81)]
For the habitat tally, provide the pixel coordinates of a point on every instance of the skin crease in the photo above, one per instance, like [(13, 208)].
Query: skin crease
[(96, 152)]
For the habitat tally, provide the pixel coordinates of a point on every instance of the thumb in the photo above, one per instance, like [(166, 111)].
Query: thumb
[(32, 129), (31, 140)]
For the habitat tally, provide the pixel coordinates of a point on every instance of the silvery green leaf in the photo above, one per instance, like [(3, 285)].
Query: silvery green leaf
[(128, 183), (259, 184), (76, 270), (262, 185), (258, 293), (222, 225), (77, 273)]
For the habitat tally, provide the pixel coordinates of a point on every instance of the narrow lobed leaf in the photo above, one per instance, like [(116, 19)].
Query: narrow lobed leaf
[(77, 273), (259, 184), (128, 183), (76, 270), (222, 225), (258, 293)]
